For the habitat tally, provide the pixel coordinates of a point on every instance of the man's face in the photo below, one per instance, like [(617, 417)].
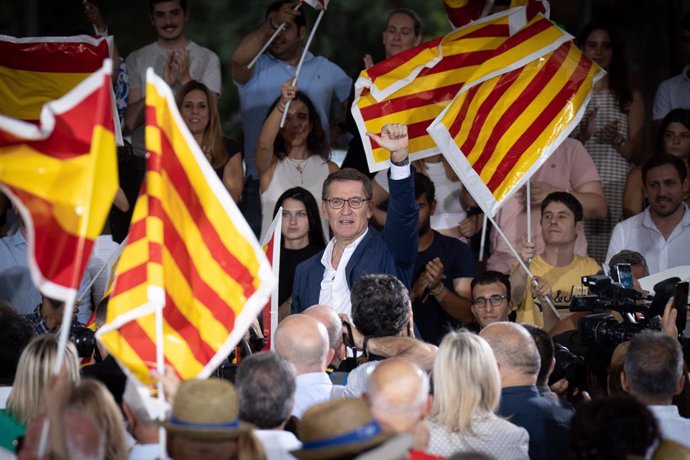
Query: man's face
[(399, 34), (169, 19), (558, 224), (490, 313), (664, 189), (347, 223), (287, 44), (426, 210)]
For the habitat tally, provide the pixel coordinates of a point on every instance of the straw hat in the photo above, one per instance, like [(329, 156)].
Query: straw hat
[(206, 409), (337, 428)]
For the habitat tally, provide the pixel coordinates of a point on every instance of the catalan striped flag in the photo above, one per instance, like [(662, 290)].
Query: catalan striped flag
[(271, 245), (192, 276), (36, 70), (462, 12), (470, 55), (62, 175), (497, 133)]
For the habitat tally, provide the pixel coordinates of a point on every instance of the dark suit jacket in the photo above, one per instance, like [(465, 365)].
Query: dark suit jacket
[(392, 251)]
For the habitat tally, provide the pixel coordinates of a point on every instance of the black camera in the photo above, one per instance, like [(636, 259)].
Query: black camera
[(84, 340)]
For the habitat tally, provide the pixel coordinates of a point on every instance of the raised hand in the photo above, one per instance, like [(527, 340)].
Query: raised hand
[(394, 139)]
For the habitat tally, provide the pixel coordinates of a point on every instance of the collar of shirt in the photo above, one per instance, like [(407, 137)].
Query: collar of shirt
[(309, 56), (347, 252), (649, 223)]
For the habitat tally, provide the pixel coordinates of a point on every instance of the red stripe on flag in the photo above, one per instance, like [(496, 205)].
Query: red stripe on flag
[(516, 109), (487, 105), (554, 107), (400, 59), (56, 250), (412, 101), (139, 342), (190, 272), (462, 114), (174, 169), (189, 332), (456, 61), (487, 31), (130, 279), (137, 231), (63, 57), (525, 34)]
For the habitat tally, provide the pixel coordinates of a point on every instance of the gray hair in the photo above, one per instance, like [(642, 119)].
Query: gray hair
[(653, 364)]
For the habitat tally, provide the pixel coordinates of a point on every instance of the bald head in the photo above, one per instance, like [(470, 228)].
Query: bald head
[(83, 437), (327, 316), (516, 353), (398, 393), (304, 342)]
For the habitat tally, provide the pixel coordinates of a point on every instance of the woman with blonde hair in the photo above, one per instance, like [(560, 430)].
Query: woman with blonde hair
[(198, 106), (34, 370), (467, 391), (94, 399)]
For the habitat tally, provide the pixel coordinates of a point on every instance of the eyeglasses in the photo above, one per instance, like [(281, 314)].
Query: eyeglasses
[(494, 300), (355, 202)]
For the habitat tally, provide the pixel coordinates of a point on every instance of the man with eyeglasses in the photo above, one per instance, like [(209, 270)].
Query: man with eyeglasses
[(491, 298), (356, 249)]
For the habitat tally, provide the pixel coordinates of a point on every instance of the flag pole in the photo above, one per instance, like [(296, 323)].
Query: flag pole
[(107, 263), (270, 40), (522, 263), (301, 62), (277, 243), (160, 365), (482, 242), (528, 205)]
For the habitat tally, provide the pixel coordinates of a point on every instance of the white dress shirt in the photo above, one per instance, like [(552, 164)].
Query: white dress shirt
[(278, 443), (671, 424), (311, 388)]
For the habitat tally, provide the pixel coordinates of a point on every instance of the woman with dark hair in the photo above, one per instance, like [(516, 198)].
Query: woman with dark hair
[(198, 106), (611, 130), (674, 139), (292, 156), (302, 237)]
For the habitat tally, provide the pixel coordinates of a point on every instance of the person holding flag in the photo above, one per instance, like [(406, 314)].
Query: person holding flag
[(326, 84)]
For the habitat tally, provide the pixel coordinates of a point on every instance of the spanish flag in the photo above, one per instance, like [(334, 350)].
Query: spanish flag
[(37, 70), (62, 175), (497, 133), (192, 276)]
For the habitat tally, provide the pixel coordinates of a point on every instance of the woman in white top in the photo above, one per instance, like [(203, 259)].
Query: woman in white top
[(467, 390), (449, 208), (293, 156)]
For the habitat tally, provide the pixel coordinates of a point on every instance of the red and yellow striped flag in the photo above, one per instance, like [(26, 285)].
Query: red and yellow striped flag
[(191, 260), (36, 70), (62, 175), (271, 245), (497, 133), (461, 12), (469, 55)]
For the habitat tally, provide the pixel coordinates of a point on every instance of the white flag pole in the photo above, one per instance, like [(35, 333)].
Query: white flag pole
[(301, 62), (160, 365), (270, 40), (522, 263), (482, 242)]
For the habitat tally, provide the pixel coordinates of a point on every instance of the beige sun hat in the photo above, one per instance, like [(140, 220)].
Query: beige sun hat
[(206, 409), (337, 428)]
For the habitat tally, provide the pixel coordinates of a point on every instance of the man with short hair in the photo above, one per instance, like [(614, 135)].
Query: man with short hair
[(356, 249), (266, 394), (653, 373), (444, 269), (518, 361), (557, 271), (303, 341), (661, 233), (382, 318), (137, 405), (491, 300), (173, 58), (326, 84), (397, 392)]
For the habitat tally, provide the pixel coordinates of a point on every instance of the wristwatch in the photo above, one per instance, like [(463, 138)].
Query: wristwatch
[(405, 162)]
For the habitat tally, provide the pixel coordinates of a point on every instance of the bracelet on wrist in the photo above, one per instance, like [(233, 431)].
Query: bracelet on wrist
[(365, 350), (438, 290)]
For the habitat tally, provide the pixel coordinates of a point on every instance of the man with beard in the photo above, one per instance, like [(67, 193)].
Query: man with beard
[(661, 233), (326, 84), (444, 270), (173, 57)]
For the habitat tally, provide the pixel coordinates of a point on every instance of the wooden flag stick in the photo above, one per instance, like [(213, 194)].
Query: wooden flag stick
[(301, 62), (270, 40)]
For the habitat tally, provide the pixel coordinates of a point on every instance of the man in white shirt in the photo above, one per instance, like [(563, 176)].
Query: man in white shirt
[(265, 395), (303, 341), (355, 249), (653, 373), (661, 233)]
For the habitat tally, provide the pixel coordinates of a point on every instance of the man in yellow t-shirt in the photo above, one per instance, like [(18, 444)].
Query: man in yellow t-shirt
[(558, 270)]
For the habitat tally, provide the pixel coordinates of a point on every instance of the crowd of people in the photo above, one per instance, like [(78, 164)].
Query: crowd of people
[(394, 340)]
